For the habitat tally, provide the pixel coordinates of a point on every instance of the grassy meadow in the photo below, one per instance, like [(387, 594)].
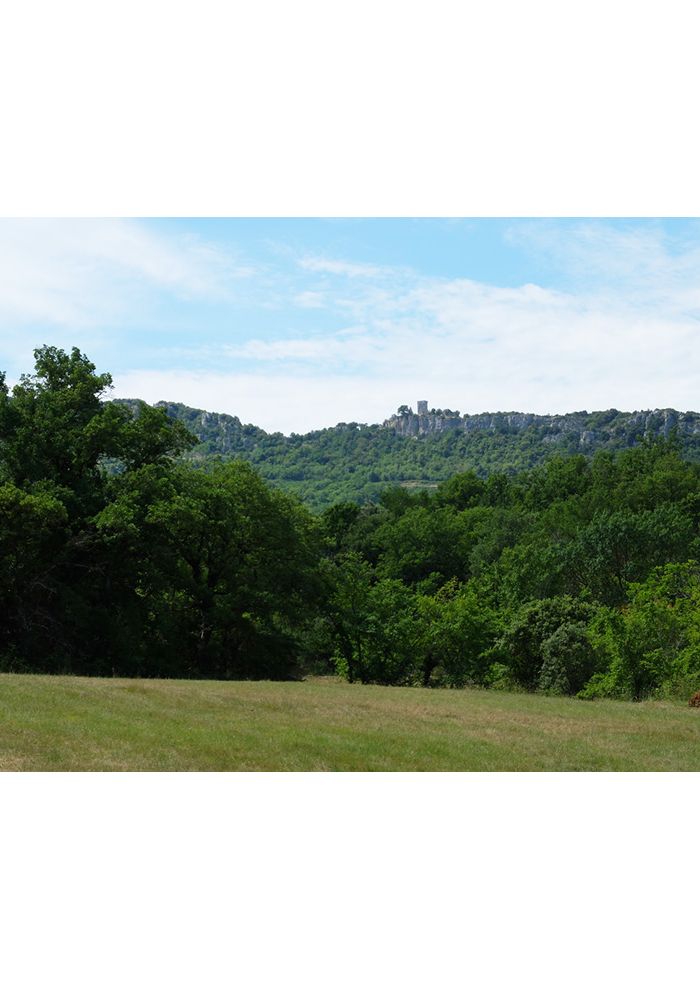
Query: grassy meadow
[(80, 723)]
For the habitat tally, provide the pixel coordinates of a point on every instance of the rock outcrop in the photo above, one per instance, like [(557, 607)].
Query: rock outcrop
[(587, 429)]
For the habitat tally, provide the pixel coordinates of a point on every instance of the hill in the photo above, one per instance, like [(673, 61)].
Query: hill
[(80, 723), (355, 461)]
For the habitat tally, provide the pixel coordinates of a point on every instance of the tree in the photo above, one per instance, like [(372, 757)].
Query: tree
[(525, 645), (654, 642), (338, 521), (225, 568), (618, 548), (375, 624), (350, 580), (32, 538), (57, 436), (456, 630), (568, 659), (461, 491), (56, 429), (424, 542)]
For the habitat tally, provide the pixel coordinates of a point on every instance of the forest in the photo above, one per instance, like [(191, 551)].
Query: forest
[(122, 557), (356, 462)]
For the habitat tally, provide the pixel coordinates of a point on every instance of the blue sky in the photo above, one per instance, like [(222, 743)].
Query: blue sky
[(297, 324)]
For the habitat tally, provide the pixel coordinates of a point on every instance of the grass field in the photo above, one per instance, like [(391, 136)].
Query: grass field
[(74, 723)]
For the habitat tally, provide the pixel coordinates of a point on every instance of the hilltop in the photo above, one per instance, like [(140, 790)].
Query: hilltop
[(356, 461)]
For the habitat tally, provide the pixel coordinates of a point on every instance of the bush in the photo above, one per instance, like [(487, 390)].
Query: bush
[(523, 644), (498, 677), (679, 687), (652, 646), (568, 660), (601, 685)]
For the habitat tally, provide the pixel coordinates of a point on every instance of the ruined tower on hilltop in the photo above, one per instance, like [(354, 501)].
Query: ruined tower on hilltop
[(422, 408)]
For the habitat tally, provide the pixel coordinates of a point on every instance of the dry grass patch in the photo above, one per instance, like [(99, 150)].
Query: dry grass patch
[(71, 723)]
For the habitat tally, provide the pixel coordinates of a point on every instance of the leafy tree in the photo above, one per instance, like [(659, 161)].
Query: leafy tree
[(425, 542), (526, 643), (375, 624), (226, 566), (457, 629), (350, 580), (32, 538), (655, 640), (461, 491), (56, 429), (55, 435), (338, 521), (568, 659), (618, 548)]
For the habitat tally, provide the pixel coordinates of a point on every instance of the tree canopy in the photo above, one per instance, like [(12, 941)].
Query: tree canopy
[(122, 555)]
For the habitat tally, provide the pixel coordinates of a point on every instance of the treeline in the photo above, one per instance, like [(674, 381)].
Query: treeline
[(575, 577), (578, 577), (356, 462)]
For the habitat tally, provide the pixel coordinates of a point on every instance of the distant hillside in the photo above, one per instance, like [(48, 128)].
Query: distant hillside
[(355, 461), (587, 429)]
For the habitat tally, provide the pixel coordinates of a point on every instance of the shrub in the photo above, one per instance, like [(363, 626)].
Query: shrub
[(568, 660), (498, 677), (523, 643)]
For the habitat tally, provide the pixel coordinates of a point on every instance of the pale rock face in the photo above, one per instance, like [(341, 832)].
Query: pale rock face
[(589, 428)]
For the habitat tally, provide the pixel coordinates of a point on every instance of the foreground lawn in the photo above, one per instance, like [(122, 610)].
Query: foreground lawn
[(76, 723)]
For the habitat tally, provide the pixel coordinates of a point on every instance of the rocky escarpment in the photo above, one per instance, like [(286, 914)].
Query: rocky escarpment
[(216, 432), (587, 429)]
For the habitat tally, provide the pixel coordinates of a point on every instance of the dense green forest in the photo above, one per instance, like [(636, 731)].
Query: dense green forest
[(356, 462), (120, 557)]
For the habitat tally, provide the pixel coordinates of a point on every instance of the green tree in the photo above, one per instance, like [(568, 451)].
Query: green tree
[(350, 580), (375, 624), (226, 568), (32, 539), (526, 643), (568, 659), (461, 491), (653, 644), (456, 631), (425, 541), (618, 548)]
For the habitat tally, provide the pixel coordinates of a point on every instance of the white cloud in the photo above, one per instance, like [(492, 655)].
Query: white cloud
[(624, 333), (348, 349), (631, 342), (332, 266), (309, 300), (639, 263), (463, 346), (81, 273), (277, 402)]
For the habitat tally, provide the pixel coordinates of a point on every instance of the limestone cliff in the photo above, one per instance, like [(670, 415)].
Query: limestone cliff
[(589, 428)]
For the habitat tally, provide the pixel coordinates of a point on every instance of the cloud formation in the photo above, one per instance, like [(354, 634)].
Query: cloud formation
[(626, 338), (81, 273), (334, 266), (611, 317)]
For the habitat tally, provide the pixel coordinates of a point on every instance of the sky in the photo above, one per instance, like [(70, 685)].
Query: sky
[(297, 324)]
